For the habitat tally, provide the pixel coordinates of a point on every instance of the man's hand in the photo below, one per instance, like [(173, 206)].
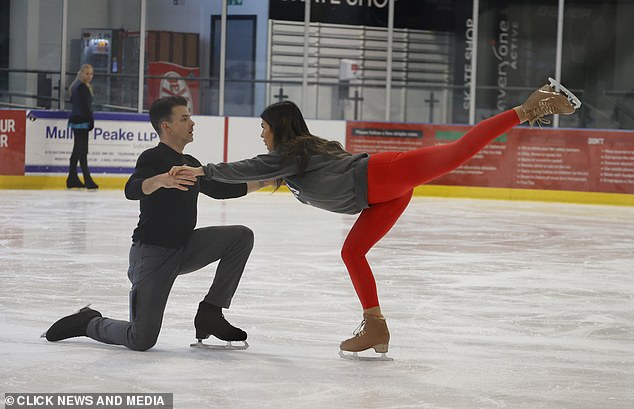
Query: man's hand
[(182, 181), (187, 171)]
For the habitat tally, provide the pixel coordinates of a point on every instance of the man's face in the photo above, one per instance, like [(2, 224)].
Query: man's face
[(181, 127)]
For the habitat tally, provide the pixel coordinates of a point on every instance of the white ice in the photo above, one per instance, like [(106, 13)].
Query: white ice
[(491, 304)]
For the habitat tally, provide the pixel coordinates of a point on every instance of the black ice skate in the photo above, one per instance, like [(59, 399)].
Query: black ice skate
[(71, 326), (73, 182), (210, 321)]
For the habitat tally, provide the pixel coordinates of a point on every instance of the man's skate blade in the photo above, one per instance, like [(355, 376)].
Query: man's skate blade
[(354, 356), (229, 346), (576, 103)]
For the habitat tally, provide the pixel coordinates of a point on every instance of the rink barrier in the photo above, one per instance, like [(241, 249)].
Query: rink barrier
[(560, 165), (458, 192)]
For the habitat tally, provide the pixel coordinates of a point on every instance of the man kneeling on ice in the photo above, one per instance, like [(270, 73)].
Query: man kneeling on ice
[(166, 244)]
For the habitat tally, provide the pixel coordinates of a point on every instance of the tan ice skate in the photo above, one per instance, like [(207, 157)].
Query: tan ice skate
[(551, 99), (372, 333)]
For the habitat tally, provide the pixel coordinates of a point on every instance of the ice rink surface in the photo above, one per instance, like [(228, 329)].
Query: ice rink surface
[(490, 304)]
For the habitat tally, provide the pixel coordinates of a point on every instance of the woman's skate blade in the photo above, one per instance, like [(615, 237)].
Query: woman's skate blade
[(576, 103), (229, 346), (354, 356)]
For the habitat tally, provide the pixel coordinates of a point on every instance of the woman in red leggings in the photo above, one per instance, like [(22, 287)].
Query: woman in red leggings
[(379, 186)]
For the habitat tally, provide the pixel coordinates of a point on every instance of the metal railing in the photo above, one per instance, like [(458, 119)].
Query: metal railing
[(413, 101)]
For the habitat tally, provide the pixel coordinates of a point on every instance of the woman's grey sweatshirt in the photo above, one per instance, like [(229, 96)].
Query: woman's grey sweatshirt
[(336, 184)]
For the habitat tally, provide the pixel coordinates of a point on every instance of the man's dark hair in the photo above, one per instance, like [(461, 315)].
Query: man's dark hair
[(161, 110)]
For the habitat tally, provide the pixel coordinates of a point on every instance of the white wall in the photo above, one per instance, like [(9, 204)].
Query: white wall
[(245, 141), (208, 144), (244, 138)]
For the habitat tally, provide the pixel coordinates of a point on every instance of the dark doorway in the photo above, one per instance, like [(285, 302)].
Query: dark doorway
[(239, 64)]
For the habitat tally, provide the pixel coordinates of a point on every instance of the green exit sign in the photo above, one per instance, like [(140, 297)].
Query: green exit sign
[(235, 2)]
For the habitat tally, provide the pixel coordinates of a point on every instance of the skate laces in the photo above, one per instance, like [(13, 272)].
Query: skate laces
[(546, 106), (543, 108), (360, 329)]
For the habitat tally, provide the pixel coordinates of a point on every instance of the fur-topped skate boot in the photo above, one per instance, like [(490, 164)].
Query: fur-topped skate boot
[(372, 333), (74, 325), (547, 101), (210, 321)]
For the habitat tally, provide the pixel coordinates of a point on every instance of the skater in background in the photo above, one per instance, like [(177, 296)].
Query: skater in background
[(379, 186), (166, 243), (81, 121)]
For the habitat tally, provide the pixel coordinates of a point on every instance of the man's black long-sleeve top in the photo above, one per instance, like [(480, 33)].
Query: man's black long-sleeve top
[(168, 216)]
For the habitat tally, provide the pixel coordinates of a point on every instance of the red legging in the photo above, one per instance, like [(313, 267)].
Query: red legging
[(392, 177)]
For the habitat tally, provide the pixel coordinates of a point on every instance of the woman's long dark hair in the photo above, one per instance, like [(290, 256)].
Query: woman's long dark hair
[(291, 137)]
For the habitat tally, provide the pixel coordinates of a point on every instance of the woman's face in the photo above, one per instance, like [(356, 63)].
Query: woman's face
[(267, 136), (87, 74)]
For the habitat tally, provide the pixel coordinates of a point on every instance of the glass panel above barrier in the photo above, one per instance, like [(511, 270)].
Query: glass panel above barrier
[(104, 34), (517, 43), (30, 49), (431, 61), (598, 61)]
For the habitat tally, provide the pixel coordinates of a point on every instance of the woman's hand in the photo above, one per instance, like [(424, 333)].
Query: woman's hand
[(186, 171), (253, 186)]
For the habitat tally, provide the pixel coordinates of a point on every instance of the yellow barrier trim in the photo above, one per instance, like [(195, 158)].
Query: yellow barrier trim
[(563, 196), (468, 192), (56, 182)]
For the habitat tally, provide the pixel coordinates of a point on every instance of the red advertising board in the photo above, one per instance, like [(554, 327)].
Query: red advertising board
[(175, 83), (12, 141), (524, 158)]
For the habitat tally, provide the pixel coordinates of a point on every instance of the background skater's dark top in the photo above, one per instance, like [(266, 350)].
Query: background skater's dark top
[(81, 99), (168, 216)]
